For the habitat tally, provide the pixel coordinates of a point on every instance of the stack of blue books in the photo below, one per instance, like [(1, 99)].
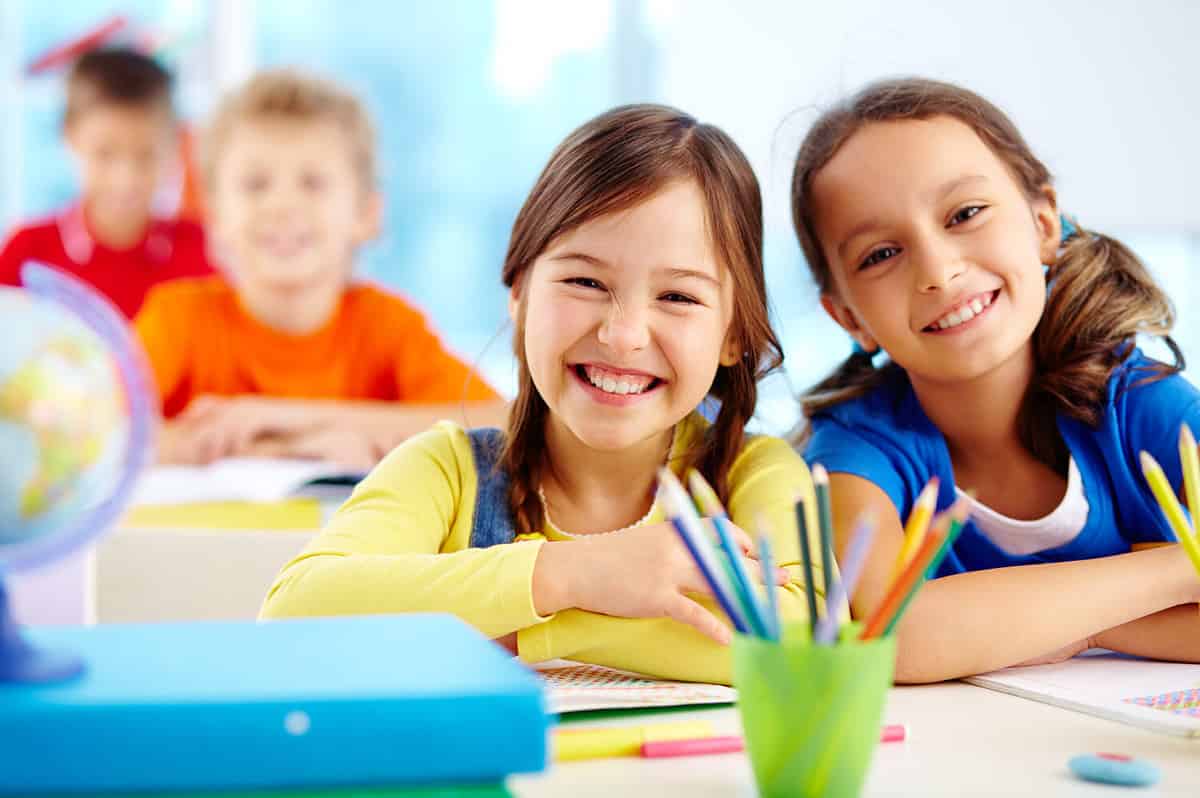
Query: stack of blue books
[(404, 704)]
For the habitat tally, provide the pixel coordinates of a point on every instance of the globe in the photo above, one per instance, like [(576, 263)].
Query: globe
[(76, 424)]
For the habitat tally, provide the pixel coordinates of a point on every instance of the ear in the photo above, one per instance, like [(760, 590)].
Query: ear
[(841, 313), (370, 221), (1048, 223)]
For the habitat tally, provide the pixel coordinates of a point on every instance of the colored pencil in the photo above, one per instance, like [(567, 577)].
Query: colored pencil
[(918, 524), (657, 749), (710, 505), (957, 517), (767, 560), (843, 587), (678, 507), (1190, 459), (806, 562), (1169, 503), (899, 587), (825, 521)]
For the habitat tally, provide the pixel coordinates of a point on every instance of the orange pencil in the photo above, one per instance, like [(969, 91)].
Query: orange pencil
[(917, 526), (901, 585)]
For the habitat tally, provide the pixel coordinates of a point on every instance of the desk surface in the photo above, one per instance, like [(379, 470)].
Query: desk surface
[(963, 741)]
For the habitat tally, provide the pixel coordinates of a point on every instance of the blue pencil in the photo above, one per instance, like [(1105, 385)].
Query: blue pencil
[(768, 566), (678, 508), (843, 588)]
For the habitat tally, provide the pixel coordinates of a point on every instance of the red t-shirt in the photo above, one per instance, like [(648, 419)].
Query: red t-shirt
[(171, 248)]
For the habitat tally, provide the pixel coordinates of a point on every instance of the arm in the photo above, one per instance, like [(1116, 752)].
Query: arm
[(765, 479), (977, 622), (12, 257), (1172, 634), (351, 433), (399, 545)]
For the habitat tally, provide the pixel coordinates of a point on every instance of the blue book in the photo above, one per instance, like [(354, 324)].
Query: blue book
[(322, 702)]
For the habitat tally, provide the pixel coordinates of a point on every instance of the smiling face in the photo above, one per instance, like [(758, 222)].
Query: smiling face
[(288, 207), (626, 319), (936, 253)]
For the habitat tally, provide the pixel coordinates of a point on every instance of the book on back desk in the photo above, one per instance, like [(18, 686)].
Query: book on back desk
[(323, 702)]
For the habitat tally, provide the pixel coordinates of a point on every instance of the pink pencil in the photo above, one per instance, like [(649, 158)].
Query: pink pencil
[(892, 733)]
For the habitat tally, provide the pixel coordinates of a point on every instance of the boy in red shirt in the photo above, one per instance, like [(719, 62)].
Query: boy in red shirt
[(287, 354), (120, 126)]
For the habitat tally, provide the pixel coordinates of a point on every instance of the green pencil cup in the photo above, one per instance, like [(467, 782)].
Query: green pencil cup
[(812, 714)]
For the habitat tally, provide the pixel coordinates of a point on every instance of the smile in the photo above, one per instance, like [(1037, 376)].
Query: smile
[(964, 313), (615, 384)]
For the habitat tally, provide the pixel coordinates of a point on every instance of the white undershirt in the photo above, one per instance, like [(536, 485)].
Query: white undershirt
[(1029, 537)]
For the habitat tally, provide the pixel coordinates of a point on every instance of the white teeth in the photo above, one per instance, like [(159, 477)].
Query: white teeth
[(621, 386), (963, 314)]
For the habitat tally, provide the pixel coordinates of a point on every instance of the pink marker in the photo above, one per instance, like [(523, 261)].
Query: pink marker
[(694, 747), (698, 746)]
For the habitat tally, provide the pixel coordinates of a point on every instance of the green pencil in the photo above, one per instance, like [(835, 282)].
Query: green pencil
[(958, 519), (806, 560), (825, 518)]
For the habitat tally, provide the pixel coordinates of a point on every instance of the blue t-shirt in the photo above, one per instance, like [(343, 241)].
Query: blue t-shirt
[(886, 438)]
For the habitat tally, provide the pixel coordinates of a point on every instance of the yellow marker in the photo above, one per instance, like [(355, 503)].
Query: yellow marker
[(596, 742), (918, 525), (1167, 500)]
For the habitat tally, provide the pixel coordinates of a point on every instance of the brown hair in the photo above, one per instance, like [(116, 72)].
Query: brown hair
[(117, 76), (291, 95), (1101, 296), (611, 163)]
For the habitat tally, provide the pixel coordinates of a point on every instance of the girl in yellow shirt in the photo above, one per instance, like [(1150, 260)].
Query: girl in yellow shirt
[(637, 294)]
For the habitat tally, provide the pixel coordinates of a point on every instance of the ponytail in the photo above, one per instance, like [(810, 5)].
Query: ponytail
[(1101, 297), (856, 376)]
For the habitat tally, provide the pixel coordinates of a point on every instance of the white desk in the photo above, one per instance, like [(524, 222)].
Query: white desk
[(963, 741)]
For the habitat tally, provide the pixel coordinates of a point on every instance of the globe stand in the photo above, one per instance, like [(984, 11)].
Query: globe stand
[(22, 663)]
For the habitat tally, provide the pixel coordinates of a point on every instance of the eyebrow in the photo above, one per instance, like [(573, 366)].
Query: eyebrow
[(674, 272), (949, 187)]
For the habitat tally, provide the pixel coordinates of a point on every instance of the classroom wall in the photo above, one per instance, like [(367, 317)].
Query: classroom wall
[(470, 96)]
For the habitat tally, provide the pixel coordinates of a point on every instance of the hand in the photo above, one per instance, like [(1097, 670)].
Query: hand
[(223, 426), (344, 447), (643, 572)]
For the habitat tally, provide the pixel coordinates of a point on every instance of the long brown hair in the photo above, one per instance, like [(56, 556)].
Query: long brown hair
[(611, 163), (1101, 296)]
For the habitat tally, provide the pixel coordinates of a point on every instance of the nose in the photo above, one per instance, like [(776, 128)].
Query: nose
[(626, 328), (936, 263)]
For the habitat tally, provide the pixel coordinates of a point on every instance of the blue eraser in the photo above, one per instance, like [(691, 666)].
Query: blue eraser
[(1115, 769)]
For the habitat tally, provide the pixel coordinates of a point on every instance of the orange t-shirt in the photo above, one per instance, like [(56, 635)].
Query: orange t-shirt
[(200, 340)]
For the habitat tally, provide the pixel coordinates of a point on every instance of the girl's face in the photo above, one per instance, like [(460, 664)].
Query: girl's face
[(626, 320), (936, 253)]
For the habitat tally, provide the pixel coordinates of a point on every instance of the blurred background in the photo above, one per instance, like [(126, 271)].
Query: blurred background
[(470, 96)]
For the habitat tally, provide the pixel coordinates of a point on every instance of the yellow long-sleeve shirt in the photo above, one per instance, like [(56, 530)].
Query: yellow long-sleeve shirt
[(401, 543)]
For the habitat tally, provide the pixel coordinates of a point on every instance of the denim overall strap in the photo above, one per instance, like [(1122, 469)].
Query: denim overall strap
[(492, 522)]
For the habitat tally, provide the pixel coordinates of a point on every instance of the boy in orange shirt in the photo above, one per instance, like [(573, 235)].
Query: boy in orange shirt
[(289, 356), (120, 126)]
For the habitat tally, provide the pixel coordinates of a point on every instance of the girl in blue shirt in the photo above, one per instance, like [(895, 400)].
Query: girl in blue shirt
[(1011, 369)]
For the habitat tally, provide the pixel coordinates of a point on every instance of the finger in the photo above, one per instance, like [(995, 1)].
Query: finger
[(780, 575), (684, 610)]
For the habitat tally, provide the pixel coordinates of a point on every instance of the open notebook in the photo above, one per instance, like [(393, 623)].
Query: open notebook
[(577, 687), (1160, 696), (248, 479)]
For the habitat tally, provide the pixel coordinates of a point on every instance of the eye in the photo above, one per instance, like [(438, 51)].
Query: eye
[(878, 256), (584, 282), (678, 298), (964, 214), (254, 184), (312, 181)]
